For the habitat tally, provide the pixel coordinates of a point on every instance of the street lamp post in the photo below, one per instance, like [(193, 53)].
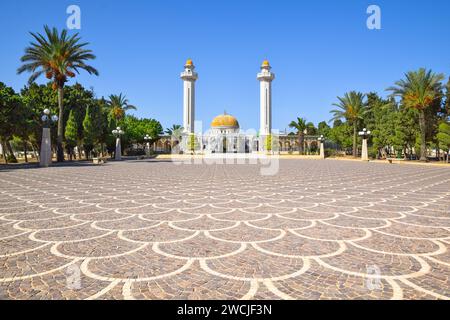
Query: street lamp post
[(364, 134), (46, 142), (322, 147), (117, 133), (147, 139)]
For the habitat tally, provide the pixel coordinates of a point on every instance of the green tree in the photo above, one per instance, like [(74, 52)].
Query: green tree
[(341, 134), (406, 130), (71, 134), (419, 91), (323, 128), (11, 118), (59, 56), (78, 99), (444, 137), (88, 134), (447, 99), (352, 108), (37, 98), (300, 126), (380, 117), (311, 129)]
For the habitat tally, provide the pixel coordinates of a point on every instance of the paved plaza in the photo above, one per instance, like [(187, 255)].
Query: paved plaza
[(319, 229)]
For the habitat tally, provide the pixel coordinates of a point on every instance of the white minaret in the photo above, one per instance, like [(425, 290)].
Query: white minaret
[(265, 78), (189, 77)]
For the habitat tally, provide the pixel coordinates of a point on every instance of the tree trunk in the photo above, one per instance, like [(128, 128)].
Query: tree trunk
[(5, 157), (36, 154), (423, 129), (10, 150), (300, 143), (59, 144), (355, 150), (25, 151)]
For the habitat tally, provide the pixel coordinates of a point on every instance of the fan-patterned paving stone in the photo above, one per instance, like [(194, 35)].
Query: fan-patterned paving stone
[(37, 215), (397, 244), (295, 245), (103, 215), (207, 209), (83, 208), (76, 233), (349, 220), (49, 223), (126, 223), (241, 215), (160, 233), (246, 233), (409, 231), (205, 223), (252, 263), (199, 247), (192, 284), (7, 230), (374, 213), (143, 263), (154, 230), (306, 214), (170, 215), (324, 231), (321, 283), (98, 247), (281, 223), (54, 286), (426, 221), (437, 280), (355, 260), (18, 243), (28, 264)]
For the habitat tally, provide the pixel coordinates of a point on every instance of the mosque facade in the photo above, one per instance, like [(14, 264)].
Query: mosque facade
[(225, 134)]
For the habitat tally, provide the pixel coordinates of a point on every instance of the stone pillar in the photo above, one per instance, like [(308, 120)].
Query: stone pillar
[(46, 148), (364, 152), (118, 149), (322, 150)]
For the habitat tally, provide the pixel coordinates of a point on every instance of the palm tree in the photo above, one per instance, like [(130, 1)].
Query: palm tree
[(119, 105), (418, 91), (59, 57), (300, 125), (352, 108), (175, 133), (174, 130)]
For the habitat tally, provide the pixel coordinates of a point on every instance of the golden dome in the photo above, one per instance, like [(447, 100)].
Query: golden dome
[(225, 121), (189, 62), (266, 63)]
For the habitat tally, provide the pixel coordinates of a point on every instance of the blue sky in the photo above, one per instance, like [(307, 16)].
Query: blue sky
[(318, 50)]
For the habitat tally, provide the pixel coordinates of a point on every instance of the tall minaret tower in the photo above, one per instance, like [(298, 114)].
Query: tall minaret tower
[(265, 78), (189, 77)]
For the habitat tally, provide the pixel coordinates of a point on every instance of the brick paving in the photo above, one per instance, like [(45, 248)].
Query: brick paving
[(154, 230)]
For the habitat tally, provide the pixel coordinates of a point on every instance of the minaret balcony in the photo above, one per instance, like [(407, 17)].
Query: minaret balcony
[(190, 76), (265, 76)]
